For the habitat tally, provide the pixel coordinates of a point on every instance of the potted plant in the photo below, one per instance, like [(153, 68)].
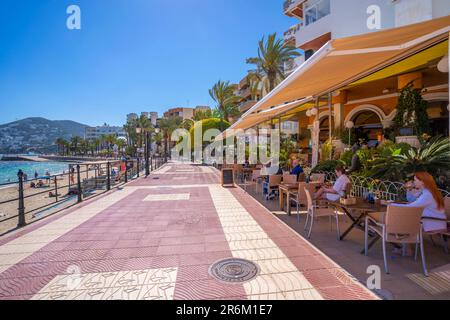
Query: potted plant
[(411, 119)]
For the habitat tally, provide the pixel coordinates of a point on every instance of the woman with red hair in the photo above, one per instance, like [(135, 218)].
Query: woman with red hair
[(434, 218)]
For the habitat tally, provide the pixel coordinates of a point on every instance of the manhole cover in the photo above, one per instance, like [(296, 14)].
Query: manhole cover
[(234, 270)]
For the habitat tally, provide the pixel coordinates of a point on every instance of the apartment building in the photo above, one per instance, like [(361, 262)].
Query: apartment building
[(92, 133), (184, 113), (319, 21), (370, 107), (248, 93)]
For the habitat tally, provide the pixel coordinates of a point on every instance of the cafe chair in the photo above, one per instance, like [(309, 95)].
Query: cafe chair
[(289, 178), (444, 234), (302, 177), (316, 211), (299, 197), (257, 179), (401, 225), (272, 185)]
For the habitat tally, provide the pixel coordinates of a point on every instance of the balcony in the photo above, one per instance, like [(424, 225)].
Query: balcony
[(245, 93), (293, 8), (289, 36), (293, 64), (246, 105)]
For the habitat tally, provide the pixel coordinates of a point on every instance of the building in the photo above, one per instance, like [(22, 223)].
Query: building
[(319, 21), (154, 118), (92, 133), (249, 92), (184, 113), (355, 82), (132, 116)]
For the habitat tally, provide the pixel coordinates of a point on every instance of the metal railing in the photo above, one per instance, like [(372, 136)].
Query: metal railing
[(386, 190), (33, 199)]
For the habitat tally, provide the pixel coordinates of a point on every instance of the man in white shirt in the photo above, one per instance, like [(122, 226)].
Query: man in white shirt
[(338, 189)]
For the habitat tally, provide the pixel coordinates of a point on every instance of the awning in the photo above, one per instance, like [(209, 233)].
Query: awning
[(343, 61)]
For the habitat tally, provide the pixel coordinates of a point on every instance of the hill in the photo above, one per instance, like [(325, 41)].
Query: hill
[(36, 134)]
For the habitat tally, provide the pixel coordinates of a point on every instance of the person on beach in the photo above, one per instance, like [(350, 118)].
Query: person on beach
[(36, 174), (72, 175)]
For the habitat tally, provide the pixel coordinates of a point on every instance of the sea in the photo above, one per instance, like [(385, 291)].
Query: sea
[(9, 169)]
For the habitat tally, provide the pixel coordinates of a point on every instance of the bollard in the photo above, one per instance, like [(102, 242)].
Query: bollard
[(21, 208), (79, 191), (56, 189), (126, 171), (108, 180), (137, 167)]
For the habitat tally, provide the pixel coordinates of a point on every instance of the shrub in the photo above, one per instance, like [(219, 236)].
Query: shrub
[(207, 124), (326, 166)]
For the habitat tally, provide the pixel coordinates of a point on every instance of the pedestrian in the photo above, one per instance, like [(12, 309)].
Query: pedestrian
[(36, 174)]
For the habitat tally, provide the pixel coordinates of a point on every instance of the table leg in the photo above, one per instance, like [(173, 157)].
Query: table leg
[(288, 203), (281, 200), (355, 223)]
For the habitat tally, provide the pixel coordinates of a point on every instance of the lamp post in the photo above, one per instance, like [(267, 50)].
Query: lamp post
[(350, 125), (150, 144)]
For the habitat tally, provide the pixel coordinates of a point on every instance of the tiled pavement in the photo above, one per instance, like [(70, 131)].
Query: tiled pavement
[(156, 239)]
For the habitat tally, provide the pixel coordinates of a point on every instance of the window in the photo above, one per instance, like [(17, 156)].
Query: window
[(315, 10)]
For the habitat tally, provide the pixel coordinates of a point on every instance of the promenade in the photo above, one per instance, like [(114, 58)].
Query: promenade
[(157, 238)]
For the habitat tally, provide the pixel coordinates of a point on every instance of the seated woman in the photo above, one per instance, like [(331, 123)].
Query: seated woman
[(338, 189), (297, 168), (431, 199)]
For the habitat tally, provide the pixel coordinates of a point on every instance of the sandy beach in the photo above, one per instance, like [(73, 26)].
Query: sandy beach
[(42, 198)]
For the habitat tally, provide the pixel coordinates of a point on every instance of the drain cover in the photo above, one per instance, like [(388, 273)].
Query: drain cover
[(234, 270)]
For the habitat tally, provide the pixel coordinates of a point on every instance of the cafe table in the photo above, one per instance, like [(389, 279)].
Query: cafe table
[(363, 208), (286, 189)]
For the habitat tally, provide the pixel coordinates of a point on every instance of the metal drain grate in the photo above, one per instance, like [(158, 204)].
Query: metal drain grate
[(234, 270)]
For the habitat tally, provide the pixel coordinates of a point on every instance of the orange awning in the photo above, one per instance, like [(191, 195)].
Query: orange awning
[(343, 61)]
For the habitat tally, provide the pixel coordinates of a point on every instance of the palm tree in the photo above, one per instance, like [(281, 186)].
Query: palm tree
[(75, 143), (202, 115), (223, 94), (168, 126), (110, 140), (187, 124), (61, 142), (271, 58)]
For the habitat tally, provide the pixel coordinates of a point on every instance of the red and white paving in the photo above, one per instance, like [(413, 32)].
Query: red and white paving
[(156, 239)]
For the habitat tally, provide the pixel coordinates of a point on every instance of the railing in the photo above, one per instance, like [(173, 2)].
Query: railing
[(292, 31), (29, 201), (386, 190), (288, 4)]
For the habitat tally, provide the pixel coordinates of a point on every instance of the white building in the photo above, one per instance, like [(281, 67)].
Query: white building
[(132, 117), (92, 133), (322, 20)]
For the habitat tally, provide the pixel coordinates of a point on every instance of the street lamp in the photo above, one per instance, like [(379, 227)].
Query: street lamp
[(350, 125)]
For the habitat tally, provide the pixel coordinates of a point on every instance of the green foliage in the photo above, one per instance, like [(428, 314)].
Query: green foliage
[(412, 110), (327, 165), (397, 164), (272, 54), (327, 150), (208, 124), (349, 139), (346, 158)]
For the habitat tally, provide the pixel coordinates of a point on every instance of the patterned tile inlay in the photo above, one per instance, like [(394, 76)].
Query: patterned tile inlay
[(20, 248), (234, 270), (247, 240), (154, 284), (167, 197)]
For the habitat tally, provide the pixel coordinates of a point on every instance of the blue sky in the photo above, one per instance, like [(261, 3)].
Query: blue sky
[(129, 56)]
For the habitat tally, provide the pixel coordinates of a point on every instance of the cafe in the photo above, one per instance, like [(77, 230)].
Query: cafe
[(351, 87)]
